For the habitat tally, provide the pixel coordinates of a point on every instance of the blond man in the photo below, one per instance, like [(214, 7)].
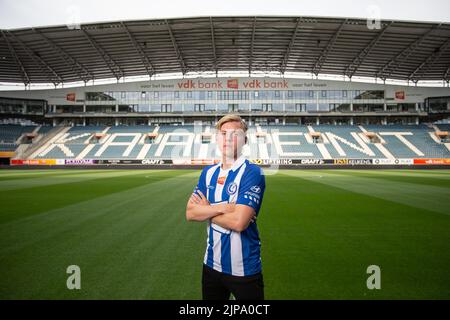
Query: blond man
[(228, 196)]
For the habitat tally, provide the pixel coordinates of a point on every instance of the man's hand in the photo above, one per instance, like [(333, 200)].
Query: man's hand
[(236, 220), (199, 199), (199, 209)]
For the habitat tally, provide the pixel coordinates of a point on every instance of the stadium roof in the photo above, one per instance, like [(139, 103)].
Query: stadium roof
[(338, 46)]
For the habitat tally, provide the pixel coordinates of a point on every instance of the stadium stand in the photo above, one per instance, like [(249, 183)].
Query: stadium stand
[(265, 142)]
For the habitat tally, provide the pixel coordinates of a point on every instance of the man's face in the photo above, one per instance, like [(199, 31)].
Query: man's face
[(231, 139)]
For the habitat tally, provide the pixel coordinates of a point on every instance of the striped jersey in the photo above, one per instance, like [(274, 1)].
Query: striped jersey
[(228, 251)]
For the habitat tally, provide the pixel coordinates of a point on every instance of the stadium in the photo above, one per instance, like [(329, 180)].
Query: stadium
[(97, 174)]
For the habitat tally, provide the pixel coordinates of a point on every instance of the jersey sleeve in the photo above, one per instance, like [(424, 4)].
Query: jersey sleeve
[(201, 184), (251, 189)]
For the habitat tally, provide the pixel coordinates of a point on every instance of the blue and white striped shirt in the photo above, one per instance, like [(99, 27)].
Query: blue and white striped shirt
[(228, 251)]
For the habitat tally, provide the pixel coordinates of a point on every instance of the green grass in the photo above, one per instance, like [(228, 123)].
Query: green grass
[(320, 230)]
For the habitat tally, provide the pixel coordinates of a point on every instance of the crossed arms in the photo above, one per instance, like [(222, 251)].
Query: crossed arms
[(231, 216)]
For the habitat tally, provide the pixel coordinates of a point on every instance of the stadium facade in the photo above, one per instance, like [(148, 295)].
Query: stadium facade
[(292, 120), (259, 100)]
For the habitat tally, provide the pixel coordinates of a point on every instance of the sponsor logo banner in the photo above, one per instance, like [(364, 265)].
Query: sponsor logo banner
[(353, 161), (33, 162), (70, 97), (135, 161), (16, 162), (393, 161), (400, 95), (383, 161), (432, 161), (196, 161), (271, 161), (154, 161), (312, 161), (78, 161), (404, 161), (233, 84), (7, 154)]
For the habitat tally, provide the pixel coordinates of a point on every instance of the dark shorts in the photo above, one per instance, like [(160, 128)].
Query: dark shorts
[(218, 286)]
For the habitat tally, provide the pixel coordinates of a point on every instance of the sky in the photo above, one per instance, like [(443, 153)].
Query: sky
[(16, 14), (34, 13)]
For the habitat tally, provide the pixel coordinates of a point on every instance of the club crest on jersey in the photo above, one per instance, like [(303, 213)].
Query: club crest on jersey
[(232, 188)]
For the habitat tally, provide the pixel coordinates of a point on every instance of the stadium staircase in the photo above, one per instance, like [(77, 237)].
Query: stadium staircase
[(42, 143)]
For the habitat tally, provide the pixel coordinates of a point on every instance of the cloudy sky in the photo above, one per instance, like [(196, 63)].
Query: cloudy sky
[(32, 13)]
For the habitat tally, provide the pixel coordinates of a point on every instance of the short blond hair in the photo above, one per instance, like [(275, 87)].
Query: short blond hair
[(231, 118)]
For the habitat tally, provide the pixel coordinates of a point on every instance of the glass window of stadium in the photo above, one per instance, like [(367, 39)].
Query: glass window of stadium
[(401, 120), (295, 107), (243, 107), (69, 109), (375, 107), (99, 96), (177, 107), (199, 107), (166, 108), (438, 104), (368, 94), (100, 108), (392, 108), (277, 107), (311, 107), (233, 107), (407, 107), (166, 95), (188, 107), (100, 121), (257, 107), (210, 107), (324, 107), (361, 107), (222, 107), (22, 106), (127, 108)]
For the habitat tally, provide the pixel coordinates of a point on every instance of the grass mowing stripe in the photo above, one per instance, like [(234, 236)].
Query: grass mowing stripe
[(444, 173), (404, 178), (31, 201), (119, 241), (53, 180), (318, 240), (433, 198), (49, 173), (71, 215)]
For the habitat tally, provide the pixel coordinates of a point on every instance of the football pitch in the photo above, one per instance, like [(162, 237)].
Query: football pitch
[(320, 230)]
